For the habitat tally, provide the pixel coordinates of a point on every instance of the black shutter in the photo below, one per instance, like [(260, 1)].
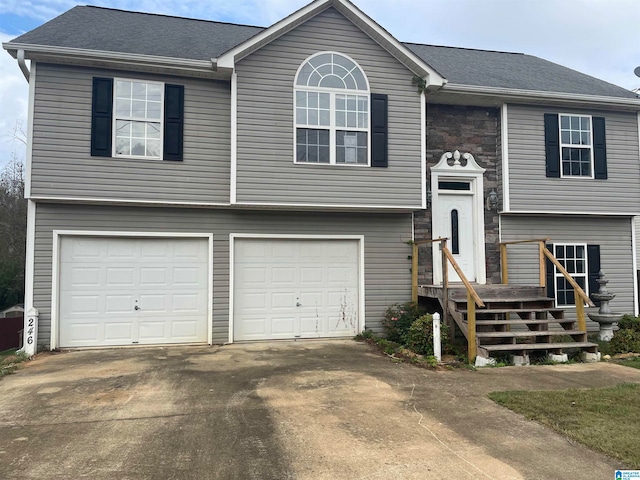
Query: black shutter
[(173, 121), (593, 260), (551, 278), (552, 144), (101, 117), (599, 148), (379, 132)]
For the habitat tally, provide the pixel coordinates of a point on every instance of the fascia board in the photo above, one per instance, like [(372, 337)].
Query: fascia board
[(514, 94), (40, 52)]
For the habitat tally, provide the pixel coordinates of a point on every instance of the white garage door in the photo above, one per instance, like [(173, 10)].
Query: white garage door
[(295, 288), (124, 291)]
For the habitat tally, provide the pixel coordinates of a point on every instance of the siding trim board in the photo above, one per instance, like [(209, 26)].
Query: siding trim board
[(29, 277), (504, 124), (31, 110), (361, 266), (55, 269), (634, 249), (234, 137)]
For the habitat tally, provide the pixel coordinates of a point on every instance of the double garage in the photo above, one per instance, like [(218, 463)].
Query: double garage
[(132, 289)]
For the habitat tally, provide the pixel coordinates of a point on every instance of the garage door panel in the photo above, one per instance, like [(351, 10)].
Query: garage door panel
[(119, 304), (102, 280), (283, 276), (120, 277), (302, 274), (120, 333)]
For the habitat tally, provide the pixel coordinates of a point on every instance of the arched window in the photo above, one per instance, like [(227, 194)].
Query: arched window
[(331, 111)]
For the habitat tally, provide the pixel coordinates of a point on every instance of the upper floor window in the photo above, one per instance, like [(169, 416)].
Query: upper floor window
[(332, 111), (576, 146), (138, 119)]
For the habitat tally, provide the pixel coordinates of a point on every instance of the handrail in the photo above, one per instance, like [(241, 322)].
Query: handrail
[(466, 282), (544, 253), (414, 264), (515, 242)]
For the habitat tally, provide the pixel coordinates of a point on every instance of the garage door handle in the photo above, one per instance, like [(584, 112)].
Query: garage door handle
[(298, 304), (136, 307)]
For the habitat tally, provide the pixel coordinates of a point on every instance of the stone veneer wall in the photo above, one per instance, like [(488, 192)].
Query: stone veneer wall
[(467, 129)]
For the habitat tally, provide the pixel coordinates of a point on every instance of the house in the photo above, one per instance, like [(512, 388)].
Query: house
[(232, 183)]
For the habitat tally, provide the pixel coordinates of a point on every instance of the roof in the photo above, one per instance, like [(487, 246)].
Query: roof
[(105, 29)]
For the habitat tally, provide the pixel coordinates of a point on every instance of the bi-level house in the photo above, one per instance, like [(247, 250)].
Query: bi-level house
[(233, 183)]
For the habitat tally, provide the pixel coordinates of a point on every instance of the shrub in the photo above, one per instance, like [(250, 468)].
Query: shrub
[(398, 318), (625, 340), (629, 322), (420, 335)]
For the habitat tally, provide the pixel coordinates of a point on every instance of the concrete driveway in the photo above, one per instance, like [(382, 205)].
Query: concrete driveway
[(306, 410)]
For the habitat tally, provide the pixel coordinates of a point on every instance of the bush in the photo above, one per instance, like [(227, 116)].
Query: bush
[(625, 341), (420, 335), (397, 320), (629, 322)]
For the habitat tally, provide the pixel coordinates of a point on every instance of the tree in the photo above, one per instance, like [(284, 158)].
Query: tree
[(13, 228)]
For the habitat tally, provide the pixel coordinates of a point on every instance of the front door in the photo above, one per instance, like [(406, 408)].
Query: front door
[(457, 210), (457, 224)]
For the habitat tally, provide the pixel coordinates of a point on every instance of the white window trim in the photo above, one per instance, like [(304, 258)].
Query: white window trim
[(115, 118), (332, 122), (569, 145), (557, 274)]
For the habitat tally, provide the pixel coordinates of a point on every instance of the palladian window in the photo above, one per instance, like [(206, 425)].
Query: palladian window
[(332, 111)]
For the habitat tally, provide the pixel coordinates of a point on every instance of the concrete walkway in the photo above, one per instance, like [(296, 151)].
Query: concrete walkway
[(305, 410)]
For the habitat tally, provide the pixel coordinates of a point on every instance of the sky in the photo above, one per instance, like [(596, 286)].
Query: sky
[(597, 37)]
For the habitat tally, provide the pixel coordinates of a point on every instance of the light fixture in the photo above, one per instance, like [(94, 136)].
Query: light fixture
[(492, 201)]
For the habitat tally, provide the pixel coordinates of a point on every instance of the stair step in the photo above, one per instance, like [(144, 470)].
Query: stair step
[(512, 310), (538, 346), (542, 333), (519, 321)]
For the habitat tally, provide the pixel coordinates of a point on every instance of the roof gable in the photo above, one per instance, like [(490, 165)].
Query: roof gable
[(397, 49)]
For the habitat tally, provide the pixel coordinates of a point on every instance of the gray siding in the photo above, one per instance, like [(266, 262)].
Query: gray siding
[(266, 172), (532, 190), (387, 277), (613, 234), (63, 167)]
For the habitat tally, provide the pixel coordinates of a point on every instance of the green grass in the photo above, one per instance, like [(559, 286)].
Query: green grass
[(633, 362), (9, 361), (603, 419)]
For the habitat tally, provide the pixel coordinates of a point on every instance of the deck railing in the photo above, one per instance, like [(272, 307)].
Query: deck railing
[(473, 299), (544, 253)]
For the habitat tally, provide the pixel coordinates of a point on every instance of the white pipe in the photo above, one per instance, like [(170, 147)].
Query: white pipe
[(22, 64), (437, 344)]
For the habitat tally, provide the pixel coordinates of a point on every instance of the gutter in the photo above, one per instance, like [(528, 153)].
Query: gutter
[(18, 50), (528, 95)]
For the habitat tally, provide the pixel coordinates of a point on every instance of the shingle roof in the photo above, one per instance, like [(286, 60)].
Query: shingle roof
[(98, 28)]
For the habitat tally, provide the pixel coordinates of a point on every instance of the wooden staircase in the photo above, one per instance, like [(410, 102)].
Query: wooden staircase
[(516, 320)]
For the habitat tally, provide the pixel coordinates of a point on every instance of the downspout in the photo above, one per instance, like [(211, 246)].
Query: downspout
[(23, 65)]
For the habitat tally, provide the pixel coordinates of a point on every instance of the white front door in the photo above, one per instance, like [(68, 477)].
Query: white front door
[(292, 288), (457, 224)]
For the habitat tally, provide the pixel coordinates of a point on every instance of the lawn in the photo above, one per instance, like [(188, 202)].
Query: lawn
[(633, 362), (9, 361), (604, 419)]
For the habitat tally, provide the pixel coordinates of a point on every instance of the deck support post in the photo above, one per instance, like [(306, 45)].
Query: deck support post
[(582, 321), (471, 327), (414, 273)]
